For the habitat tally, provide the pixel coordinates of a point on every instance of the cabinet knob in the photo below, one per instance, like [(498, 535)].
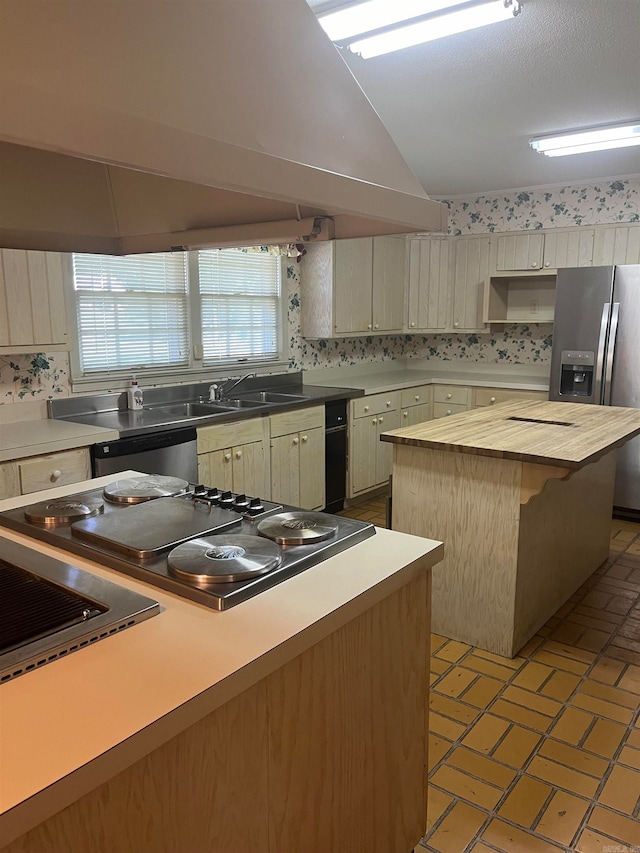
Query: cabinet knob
[(405, 414), (369, 326), (448, 411), (448, 397), (374, 421), (56, 474), (376, 326), (227, 457), (388, 403), (455, 325), (238, 454), (305, 438), (380, 420), (547, 263), (417, 397), (366, 408), (412, 325), (492, 399), (534, 263), (296, 440)]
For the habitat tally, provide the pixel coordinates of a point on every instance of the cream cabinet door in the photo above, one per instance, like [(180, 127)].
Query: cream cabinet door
[(519, 251), (353, 269), (384, 451), (363, 454), (616, 244), (216, 469), (32, 309), (388, 283), (470, 271), (572, 248), (9, 480), (285, 469), (311, 468), (248, 462), (429, 296), (416, 415)]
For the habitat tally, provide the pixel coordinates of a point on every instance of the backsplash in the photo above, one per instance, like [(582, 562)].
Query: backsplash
[(43, 376)]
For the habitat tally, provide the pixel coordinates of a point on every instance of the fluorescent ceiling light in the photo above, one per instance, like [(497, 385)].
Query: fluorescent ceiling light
[(374, 14), (591, 139)]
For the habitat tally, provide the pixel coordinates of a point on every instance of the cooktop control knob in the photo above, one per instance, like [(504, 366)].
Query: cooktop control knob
[(213, 495), (199, 490), (255, 506), (241, 501), (226, 499)]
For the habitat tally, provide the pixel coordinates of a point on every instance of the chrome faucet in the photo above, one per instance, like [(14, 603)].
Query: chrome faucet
[(219, 392)]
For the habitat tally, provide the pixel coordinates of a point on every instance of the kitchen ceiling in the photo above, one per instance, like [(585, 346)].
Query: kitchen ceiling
[(462, 109)]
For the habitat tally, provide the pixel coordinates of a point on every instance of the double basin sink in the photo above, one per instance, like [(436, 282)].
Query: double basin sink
[(254, 400)]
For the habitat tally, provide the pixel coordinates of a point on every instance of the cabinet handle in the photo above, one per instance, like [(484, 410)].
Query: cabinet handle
[(296, 440), (492, 399), (227, 457), (238, 454), (305, 438), (448, 397), (534, 263), (56, 474), (366, 408)]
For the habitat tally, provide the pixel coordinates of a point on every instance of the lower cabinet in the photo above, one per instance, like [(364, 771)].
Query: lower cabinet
[(370, 460), (491, 396), (450, 400), (233, 456), (416, 405), (23, 476), (297, 457)]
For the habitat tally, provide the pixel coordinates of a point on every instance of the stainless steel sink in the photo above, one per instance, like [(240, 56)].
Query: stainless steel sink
[(198, 410), (273, 397), (240, 404)]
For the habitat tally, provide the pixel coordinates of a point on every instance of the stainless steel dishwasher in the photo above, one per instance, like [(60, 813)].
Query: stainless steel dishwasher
[(172, 453)]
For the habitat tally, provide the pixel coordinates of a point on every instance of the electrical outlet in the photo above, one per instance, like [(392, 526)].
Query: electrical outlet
[(535, 306)]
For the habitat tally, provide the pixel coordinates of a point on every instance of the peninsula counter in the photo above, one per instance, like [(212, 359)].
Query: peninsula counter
[(521, 494), (295, 721)]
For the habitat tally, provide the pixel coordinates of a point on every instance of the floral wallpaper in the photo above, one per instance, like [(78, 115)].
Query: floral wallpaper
[(42, 376)]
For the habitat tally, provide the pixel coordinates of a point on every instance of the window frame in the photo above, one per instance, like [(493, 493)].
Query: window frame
[(196, 371)]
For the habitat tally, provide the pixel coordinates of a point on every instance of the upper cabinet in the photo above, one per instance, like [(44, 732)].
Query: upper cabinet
[(536, 250), (518, 251), (445, 283), (616, 244), (32, 313), (353, 287)]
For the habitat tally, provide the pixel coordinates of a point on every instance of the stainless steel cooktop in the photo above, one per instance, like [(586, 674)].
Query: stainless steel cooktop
[(212, 546)]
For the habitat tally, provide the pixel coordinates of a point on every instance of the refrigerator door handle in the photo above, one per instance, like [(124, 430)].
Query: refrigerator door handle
[(615, 313), (600, 365)]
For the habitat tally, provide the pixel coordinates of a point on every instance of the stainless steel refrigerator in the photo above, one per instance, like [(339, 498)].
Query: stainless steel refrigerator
[(596, 355)]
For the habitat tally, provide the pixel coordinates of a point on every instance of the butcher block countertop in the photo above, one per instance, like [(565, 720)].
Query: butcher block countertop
[(568, 435)]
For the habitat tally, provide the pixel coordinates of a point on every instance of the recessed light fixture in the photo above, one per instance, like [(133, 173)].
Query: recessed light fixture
[(591, 139), (375, 27)]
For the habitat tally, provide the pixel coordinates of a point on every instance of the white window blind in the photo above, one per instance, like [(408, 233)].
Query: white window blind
[(132, 311), (240, 304)]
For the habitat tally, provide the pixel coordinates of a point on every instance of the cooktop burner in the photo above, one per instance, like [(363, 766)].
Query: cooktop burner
[(210, 545), (63, 511), (298, 528), (223, 559), (135, 490)]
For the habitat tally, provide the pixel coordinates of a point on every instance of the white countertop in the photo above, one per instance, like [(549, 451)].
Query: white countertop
[(35, 437), (78, 721), (384, 377)]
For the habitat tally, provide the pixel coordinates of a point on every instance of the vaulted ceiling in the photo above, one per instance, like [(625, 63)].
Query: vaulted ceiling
[(462, 109)]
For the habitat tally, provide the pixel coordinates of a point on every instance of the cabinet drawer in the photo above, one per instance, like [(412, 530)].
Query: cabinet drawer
[(491, 396), (456, 394), (297, 420), (443, 410), (9, 480), (220, 436), (376, 404), (415, 396), (58, 469)]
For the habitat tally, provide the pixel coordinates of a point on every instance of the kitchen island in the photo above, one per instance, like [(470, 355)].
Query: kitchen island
[(297, 720), (521, 494)]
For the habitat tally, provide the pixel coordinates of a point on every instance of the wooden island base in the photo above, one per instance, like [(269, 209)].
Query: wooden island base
[(327, 753), (519, 537)]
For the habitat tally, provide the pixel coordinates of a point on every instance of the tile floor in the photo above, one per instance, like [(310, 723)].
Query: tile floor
[(541, 753)]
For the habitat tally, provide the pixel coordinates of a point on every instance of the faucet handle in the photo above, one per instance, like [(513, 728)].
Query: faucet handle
[(213, 393)]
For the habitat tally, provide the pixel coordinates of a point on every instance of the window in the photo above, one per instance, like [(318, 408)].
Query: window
[(176, 314)]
